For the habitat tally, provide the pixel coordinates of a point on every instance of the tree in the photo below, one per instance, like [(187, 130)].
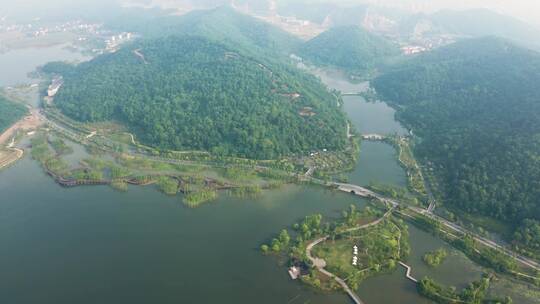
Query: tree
[(284, 237)]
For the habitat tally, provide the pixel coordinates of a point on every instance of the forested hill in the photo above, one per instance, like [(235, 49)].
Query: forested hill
[(192, 93), (223, 24), (350, 48), (9, 113), (476, 106)]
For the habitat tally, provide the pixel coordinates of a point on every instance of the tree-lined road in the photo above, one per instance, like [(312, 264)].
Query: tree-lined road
[(361, 191)]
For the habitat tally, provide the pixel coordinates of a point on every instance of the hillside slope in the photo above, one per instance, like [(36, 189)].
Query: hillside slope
[(223, 24), (350, 48), (192, 93), (9, 113), (476, 106)]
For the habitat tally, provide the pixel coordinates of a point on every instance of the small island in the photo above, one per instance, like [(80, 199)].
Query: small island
[(435, 258), (340, 254)]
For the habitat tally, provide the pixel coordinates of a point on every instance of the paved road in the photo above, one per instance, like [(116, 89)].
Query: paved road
[(361, 191)]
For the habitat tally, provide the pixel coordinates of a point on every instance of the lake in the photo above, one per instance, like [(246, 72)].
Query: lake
[(96, 245), (16, 64)]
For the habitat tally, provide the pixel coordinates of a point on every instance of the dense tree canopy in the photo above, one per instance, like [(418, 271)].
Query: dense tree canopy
[(222, 24), (349, 47), (191, 93), (529, 234), (476, 107), (9, 113)]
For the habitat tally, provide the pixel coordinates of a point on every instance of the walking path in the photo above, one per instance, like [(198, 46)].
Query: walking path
[(408, 274), (320, 264)]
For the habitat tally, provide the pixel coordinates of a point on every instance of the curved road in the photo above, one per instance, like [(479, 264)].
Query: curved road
[(361, 191)]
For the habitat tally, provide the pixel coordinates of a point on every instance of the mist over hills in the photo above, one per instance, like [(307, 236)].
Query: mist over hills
[(470, 24), (350, 48), (223, 24)]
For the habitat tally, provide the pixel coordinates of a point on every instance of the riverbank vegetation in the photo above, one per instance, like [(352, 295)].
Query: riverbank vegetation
[(435, 258), (475, 293), (197, 182), (492, 259), (399, 193), (198, 197), (415, 179)]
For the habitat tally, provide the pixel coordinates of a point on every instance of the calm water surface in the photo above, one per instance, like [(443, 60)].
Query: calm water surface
[(95, 245), (16, 64)]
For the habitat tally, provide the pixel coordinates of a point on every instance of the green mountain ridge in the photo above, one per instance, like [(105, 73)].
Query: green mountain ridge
[(222, 24), (185, 92), (476, 107), (350, 48)]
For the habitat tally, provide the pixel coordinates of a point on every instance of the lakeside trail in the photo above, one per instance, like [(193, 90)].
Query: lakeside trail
[(320, 264)]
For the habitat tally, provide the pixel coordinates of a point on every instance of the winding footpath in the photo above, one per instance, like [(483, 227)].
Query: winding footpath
[(320, 264)]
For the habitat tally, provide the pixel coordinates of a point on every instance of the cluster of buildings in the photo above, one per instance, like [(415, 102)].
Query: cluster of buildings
[(77, 26), (85, 33), (294, 272), (38, 30), (53, 88), (413, 49), (355, 256), (115, 41)]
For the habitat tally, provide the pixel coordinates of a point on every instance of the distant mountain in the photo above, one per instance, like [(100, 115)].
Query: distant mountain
[(223, 24), (350, 48), (316, 13), (418, 27), (475, 105), (483, 22), (471, 23), (370, 17), (187, 92)]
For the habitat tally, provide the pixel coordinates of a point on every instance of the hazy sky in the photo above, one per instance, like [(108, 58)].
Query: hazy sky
[(527, 10)]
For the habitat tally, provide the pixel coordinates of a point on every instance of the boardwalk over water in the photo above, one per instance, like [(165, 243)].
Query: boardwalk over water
[(408, 273)]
